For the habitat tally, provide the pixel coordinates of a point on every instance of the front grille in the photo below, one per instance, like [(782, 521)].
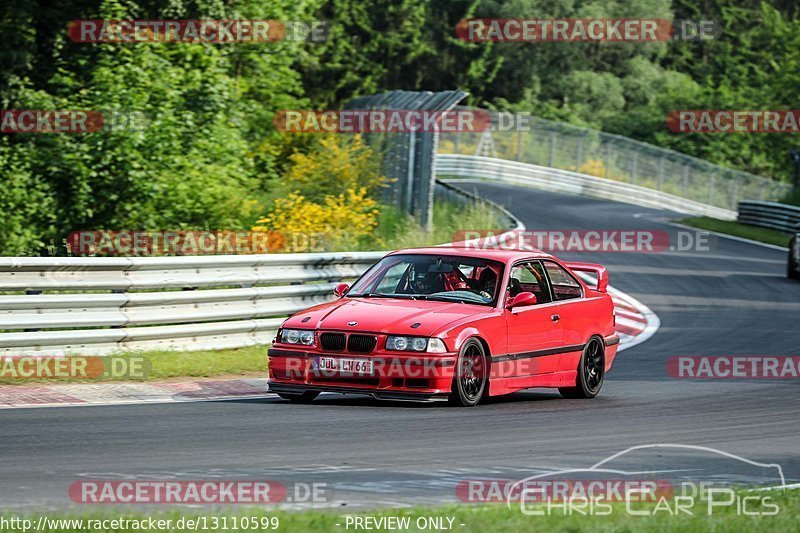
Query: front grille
[(332, 341), (361, 343)]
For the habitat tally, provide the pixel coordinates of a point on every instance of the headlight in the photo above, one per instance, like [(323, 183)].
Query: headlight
[(415, 344), (297, 336), (436, 346)]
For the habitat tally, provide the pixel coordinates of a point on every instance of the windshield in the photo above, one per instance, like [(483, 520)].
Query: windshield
[(431, 277)]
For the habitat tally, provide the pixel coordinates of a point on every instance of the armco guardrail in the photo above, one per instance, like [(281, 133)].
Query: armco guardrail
[(503, 170), (771, 215), (551, 144), (55, 306)]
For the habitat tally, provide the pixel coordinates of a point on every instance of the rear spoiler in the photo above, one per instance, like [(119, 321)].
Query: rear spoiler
[(598, 270)]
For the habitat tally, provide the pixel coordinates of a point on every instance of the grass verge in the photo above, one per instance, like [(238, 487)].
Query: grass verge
[(251, 360), (769, 236), (467, 518), (398, 230)]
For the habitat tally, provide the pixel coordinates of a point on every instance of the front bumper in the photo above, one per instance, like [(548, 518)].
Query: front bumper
[(418, 376), (380, 394)]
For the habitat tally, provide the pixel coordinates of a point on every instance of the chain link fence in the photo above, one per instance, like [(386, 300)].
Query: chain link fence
[(563, 146), (408, 156)]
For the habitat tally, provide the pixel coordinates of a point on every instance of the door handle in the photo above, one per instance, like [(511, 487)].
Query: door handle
[(555, 318)]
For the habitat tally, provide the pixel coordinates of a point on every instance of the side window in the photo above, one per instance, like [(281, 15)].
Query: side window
[(392, 278), (529, 277), (565, 287)]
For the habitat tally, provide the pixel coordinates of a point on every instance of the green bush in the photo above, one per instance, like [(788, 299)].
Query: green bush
[(793, 198)]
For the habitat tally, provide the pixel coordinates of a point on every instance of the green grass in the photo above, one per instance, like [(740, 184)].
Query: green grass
[(398, 230), (173, 364), (491, 518), (736, 229)]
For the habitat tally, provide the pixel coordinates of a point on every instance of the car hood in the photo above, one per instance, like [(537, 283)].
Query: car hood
[(383, 315)]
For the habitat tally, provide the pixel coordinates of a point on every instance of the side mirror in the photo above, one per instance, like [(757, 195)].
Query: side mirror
[(340, 289), (522, 299)]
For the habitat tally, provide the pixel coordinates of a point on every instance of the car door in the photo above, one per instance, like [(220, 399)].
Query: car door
[(534, 337), (573, 312)]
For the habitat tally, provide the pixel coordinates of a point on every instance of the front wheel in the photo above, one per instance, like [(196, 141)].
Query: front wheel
[(591, 371), (791, 268), (470, 381), (299, 397)]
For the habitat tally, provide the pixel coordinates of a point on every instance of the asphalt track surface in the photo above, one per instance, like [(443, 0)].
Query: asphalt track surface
[(731, 300)]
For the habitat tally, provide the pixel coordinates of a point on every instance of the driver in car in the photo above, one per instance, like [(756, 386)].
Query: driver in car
[(487, 282), (426, 282)]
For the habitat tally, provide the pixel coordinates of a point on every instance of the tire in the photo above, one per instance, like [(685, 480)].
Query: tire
[(591, 371), (472, 376), (299, 397), (792, 267)]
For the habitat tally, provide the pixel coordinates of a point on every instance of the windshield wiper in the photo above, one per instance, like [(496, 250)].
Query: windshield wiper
[(442, 298), (381, 295)]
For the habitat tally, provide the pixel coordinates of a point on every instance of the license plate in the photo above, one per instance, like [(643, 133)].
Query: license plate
[(343, 364)]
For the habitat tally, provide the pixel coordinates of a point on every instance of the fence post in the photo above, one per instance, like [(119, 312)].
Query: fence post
[(457, 148), (608, 158), (711, 188), (579, 153), (685, 180), (519, 144), (634, 165), (734, 193), (660, 172), (410, 172), (552, 155)]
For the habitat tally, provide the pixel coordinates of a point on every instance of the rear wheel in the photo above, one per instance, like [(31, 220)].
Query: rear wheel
[(469, 383), (791, 268), (299, 397), (591, 371)]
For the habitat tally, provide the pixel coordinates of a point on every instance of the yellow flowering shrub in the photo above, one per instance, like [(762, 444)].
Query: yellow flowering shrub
[(335, 165), (593, 167), (446, 146), (330, 200), (341, 221)]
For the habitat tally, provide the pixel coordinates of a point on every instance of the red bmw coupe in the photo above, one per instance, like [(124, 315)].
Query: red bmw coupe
[(452, 323)]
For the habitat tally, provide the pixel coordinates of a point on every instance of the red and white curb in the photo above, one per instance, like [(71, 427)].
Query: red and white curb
[(77, 394), (635, 321)]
